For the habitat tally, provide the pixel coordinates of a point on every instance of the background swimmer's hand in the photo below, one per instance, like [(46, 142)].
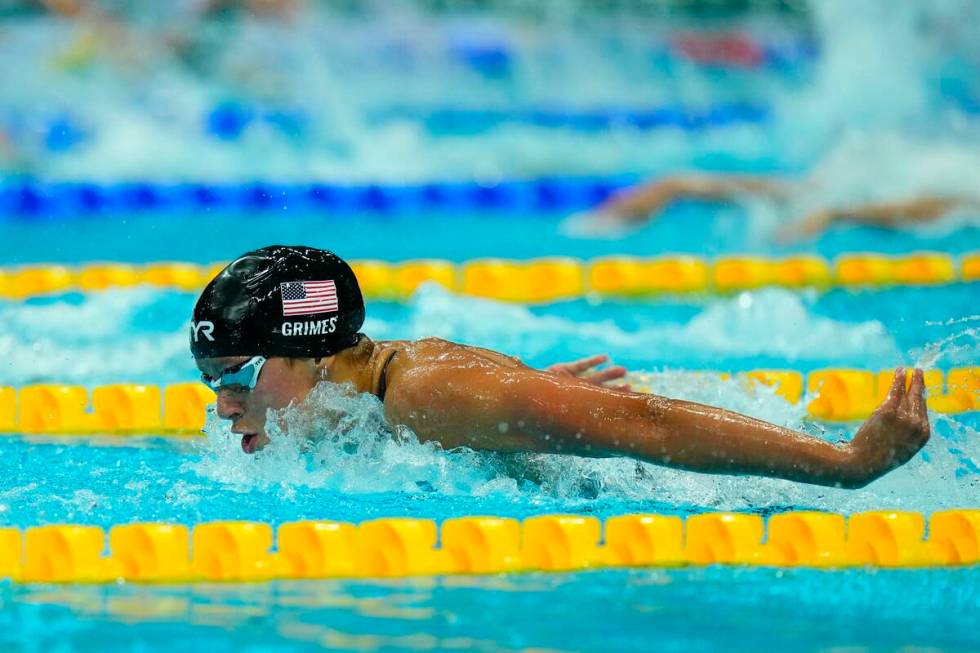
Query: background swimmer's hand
[(596, 224), (642, 204), (809, 226), (891, 214), (585, 369), (895, 431)]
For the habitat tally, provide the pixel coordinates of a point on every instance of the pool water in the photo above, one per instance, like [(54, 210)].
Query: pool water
[(744, 610), (139, 335), (499, 95)]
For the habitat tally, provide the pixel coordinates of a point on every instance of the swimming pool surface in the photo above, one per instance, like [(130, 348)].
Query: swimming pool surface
[(499, 97), (743, 610)]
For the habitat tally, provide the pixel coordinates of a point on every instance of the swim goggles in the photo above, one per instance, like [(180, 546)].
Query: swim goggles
[(244, 375)]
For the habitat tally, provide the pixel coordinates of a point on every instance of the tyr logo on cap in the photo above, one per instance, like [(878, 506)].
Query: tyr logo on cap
[(205, 328)]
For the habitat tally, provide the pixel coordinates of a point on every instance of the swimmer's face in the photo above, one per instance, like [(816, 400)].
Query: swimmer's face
[(280, 383)]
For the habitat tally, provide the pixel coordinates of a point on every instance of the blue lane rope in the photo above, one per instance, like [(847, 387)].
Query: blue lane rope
[(39, 200), (229, 119), (462, 120)]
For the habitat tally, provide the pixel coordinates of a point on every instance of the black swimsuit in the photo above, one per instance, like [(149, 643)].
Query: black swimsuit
[(383, 379)]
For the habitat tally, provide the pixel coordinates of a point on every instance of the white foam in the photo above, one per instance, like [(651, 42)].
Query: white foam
[(90, 340), (960, 348), (337, 440), (770, 322)]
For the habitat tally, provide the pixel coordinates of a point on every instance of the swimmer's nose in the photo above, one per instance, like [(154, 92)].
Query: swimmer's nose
[(229, 406)]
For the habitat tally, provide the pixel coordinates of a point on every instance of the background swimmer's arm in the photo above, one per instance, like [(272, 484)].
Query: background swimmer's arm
[(484, 407), (919, 209), (882, 214), (641, 202), (66, 8)]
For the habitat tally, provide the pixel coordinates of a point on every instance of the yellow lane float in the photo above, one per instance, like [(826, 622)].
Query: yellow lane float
[(834, 395), (541, 280), (392, 547)]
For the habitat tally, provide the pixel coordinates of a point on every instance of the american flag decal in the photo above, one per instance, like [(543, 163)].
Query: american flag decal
[(308, 297)]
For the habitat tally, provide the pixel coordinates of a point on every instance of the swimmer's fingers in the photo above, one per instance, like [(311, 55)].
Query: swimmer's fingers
[(913, 413), (623, 387), (584, 369), (604, 377), (917, 398), (585, 364), (576, 368), (786, 235), (896, 393), (807, 227), (911, 393), (794, 232)]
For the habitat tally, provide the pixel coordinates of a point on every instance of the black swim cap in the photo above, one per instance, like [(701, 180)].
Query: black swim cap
[(279, 301)]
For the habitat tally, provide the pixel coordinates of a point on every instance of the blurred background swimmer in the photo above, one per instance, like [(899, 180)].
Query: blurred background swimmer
[(880, 180)]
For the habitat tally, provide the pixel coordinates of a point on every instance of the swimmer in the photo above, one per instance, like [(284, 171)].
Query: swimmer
[(280, 320), (633, 207)]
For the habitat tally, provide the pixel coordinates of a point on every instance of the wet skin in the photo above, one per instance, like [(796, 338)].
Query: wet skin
[(463, 396), (280, 383)]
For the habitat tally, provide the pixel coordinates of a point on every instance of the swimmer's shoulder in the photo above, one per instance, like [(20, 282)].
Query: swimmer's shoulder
[(432, 379), (412, 368), (431, 351)]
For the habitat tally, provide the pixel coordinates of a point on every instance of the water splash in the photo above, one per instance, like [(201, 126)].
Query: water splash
[(738, 394), (135, 335), (771, 322), (139, 335), (338, 440), (873, 131), (876, 166), (955, 320), (886, 87), (961, 347)]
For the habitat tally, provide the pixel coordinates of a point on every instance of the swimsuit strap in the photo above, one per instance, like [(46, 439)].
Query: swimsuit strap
[(383, 378)]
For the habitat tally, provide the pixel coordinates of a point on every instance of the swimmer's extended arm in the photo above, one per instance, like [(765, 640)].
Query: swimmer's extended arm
[(641, 202), (882, 214), (66, 8), (487, 407)]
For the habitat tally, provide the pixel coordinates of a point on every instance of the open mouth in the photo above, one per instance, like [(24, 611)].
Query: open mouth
[(250, 442)]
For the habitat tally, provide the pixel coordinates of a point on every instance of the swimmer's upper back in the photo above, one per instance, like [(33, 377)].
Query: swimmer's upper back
[(392, 358)]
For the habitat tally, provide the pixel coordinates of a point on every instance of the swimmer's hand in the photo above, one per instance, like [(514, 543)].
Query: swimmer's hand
[(585, 369), (597, 224), (894, 433), (880, 214), (809, 226)]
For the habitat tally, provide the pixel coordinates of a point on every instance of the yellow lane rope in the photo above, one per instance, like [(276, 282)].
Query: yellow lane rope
[(242, 551), (834, 395), (543, 280)]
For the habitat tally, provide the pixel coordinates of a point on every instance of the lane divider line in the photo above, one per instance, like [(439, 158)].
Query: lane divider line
[(832, 395), (232, 551), (544, 279)]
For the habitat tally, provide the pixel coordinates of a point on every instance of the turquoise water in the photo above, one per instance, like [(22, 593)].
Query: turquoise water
[(744, 610), (139, 335), (454, 235), (495, 96), (92, 339)]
